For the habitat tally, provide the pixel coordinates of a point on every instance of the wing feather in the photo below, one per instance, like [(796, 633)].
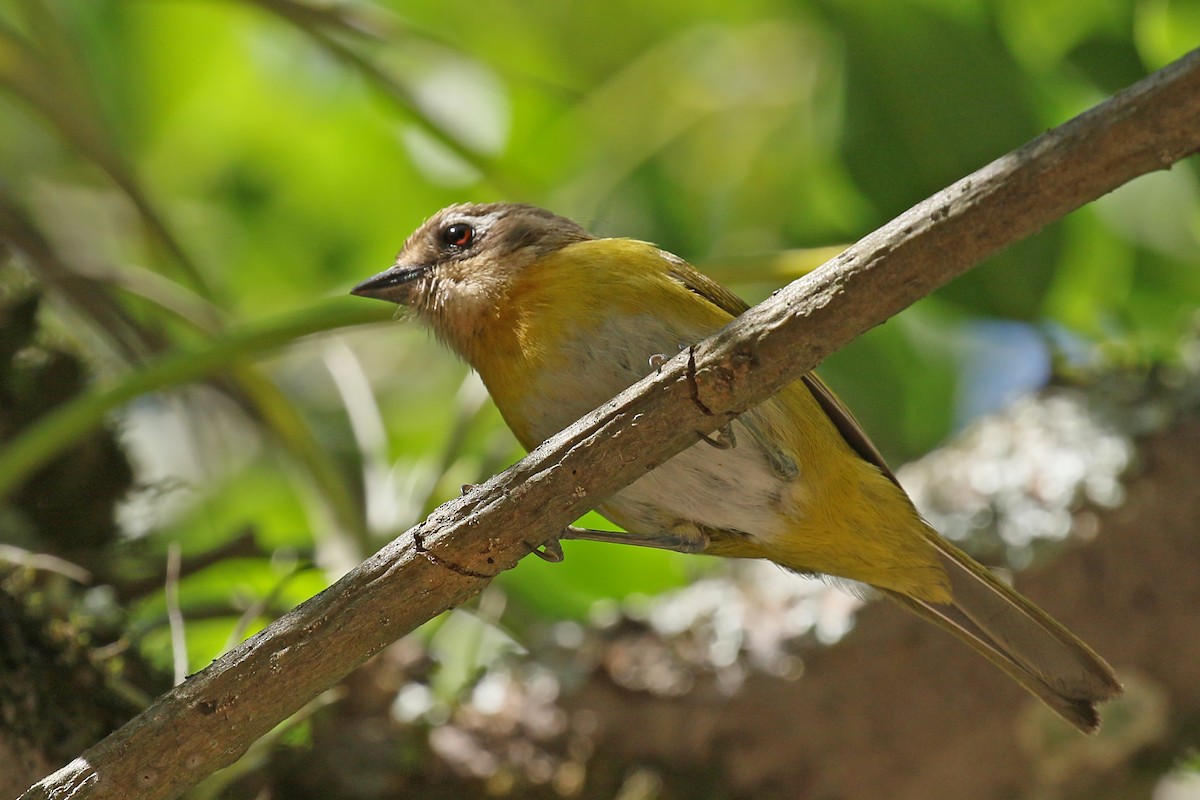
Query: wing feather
[(700, 284)]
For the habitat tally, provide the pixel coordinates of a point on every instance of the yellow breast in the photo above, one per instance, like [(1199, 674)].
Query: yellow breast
[(579, 326)]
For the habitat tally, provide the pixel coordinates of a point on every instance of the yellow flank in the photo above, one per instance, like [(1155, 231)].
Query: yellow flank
[(854, 522), (568, 293)]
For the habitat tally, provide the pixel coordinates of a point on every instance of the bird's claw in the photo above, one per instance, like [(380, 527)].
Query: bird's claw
[(658, 359), (551, 551), (724, 439)]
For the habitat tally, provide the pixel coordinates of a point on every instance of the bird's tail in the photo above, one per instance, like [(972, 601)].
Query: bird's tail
[(1020, 638)]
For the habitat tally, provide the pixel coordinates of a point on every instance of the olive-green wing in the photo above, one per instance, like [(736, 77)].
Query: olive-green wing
[(721, 297), (698, 283), (846, 424)]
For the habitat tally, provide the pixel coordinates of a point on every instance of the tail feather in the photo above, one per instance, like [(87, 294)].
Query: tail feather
[(1021, 639)]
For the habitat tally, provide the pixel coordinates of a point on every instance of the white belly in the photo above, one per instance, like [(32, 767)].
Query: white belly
[(735, 489)]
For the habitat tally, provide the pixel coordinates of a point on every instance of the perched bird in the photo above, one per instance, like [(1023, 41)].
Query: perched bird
[(557, 321)]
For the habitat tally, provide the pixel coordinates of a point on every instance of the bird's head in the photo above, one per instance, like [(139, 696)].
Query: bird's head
[(464, 259)]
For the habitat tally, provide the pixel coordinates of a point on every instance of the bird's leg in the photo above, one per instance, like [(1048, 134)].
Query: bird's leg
[(686, 539), (782, 464), (689, 543)]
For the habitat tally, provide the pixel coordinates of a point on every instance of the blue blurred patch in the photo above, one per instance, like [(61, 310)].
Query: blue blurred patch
[(1001, 360)]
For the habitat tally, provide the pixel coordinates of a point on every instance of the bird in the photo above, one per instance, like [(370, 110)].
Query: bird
[(556, 321)]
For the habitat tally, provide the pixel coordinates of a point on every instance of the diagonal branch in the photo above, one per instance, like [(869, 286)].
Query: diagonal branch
[(207, 722)]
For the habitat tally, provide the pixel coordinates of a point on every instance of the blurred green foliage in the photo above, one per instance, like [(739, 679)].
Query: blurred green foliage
[(194, 181)]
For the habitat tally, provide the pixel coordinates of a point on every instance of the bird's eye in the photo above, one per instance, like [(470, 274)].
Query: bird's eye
[(459, 234)]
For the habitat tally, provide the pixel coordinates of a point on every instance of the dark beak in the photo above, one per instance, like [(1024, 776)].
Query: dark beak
[(390, 285)]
